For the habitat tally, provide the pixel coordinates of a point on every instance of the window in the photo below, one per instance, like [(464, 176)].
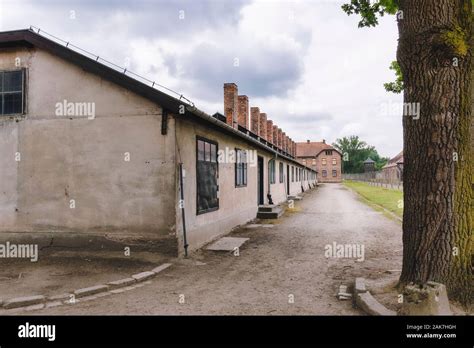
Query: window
[(323, 161), (325, 173), (207, 174), (314, 161), (240, 168), (292, 173), (334, 173), (328, 152), (334, 161), (11, 92), (281, 173), (271, 171)]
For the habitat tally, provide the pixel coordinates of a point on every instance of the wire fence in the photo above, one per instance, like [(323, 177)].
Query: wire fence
[(376, 179)]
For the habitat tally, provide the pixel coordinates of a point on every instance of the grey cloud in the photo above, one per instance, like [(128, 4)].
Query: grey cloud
[(141, 18), (261, 71)]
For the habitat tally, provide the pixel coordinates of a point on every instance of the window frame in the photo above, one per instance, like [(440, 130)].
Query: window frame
[(334, 173), (22, 91), (281, 172), (324, 173), (240, 168), (271, 171), (212, 142)]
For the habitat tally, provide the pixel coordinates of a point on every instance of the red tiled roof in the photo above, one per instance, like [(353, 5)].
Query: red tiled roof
[(312, 149), (393, 162)]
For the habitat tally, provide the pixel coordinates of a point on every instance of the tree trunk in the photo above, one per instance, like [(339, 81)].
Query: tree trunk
[(435, 59)]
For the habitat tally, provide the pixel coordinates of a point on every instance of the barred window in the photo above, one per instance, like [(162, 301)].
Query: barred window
[(207, 172)]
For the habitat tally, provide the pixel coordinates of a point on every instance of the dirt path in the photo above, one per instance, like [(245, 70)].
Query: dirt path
[(276, 265)]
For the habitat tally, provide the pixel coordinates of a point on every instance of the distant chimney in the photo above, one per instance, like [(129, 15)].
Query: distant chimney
[(270, 131), (287, 144), (263, 125), (275, 135), (307, 141), (243, 115), (324, 141), (230, 104), (283, 141), (254, 120), (280, 137)]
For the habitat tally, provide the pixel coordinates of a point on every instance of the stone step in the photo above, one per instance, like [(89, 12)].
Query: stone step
[(295, 198), (274, 214), (266, 208)]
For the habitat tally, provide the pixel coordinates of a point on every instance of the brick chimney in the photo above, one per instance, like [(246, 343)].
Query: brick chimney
[(287, 144), (263, 125), (280, 137), (283, 141), (255, 120), (270, 131), (243, 115), (307, 141), (324, 141), (230, 104), (275, 135)]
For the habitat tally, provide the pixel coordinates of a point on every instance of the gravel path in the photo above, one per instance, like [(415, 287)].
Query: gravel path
[(277, 265)]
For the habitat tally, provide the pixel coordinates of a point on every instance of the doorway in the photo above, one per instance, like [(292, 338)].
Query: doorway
[(260, 181)]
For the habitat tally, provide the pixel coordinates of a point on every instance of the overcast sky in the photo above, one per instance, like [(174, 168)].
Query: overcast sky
[(305, 63)]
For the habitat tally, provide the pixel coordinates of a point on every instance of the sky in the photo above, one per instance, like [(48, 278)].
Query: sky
[(305, 63)]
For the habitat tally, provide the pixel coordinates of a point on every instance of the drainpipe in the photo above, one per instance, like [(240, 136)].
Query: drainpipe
[(181, 203)]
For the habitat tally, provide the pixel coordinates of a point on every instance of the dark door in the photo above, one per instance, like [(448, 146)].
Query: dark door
[(260, 181), (287, 180)]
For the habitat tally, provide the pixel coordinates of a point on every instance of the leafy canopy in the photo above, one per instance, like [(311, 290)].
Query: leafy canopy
[(355, 152)]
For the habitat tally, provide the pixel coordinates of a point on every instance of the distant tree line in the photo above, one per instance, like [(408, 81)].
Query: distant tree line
[(355, 152)]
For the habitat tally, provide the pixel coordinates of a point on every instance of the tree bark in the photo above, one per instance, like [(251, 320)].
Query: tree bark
[(435, 60)]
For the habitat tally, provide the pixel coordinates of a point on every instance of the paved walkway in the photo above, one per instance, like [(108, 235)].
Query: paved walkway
[(276, 266)]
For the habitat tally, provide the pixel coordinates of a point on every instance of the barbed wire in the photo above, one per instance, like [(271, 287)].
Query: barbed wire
[(109, 64)]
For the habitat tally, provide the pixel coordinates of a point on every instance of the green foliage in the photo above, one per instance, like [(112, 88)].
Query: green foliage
[(369, 12), (355, 152), (397, 86)]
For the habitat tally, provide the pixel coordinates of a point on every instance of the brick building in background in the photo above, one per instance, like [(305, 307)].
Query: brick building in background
[(323, 158)]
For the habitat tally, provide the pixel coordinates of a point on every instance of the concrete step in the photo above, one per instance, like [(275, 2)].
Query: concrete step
[(266, 208), (295, 198), (274, 214)]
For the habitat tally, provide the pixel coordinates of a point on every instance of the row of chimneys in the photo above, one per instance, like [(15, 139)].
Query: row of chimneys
[(236, 111)]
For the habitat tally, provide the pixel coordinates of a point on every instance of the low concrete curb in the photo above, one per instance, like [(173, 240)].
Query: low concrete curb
[(39, 301), (365, 301), (23, 301)]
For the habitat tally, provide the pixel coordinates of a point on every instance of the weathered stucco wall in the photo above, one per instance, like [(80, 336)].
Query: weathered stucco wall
[(237, 205), (66, 158)]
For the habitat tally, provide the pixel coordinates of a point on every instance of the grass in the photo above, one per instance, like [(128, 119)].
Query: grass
[(379, 197)]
